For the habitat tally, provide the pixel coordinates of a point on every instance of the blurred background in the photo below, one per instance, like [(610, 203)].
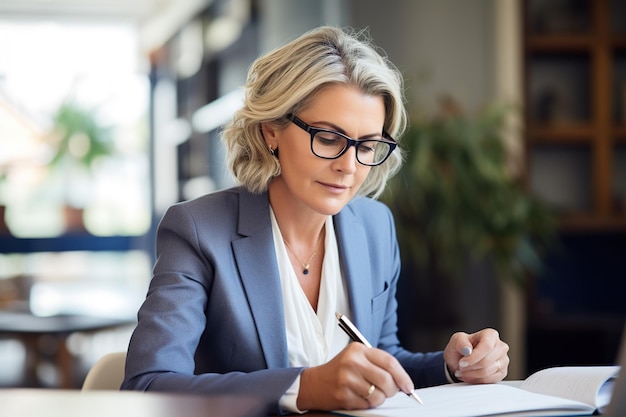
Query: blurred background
[(511, 209)]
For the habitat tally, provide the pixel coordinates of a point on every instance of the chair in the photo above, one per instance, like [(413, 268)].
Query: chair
[(107, 373)]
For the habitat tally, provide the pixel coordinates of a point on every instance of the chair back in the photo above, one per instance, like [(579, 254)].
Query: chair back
[(107, 373)]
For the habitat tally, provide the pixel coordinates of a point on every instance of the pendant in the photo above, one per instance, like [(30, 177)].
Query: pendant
[(305, 271)]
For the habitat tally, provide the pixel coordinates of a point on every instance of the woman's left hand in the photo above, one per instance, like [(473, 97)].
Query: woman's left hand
[(477, 358)]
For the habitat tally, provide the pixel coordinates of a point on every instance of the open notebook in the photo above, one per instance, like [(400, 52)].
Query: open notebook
[(617, 407), (561, 391)]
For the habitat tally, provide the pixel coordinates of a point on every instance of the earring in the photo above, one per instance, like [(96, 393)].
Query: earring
[(271, 150)]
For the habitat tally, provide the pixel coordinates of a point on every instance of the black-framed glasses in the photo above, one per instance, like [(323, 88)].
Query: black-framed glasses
[(329, 144)]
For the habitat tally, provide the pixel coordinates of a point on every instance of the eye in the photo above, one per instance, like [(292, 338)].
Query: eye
[(329, 138), (368, 146)]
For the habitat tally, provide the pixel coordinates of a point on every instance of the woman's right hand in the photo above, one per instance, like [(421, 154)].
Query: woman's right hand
[(344, 382)]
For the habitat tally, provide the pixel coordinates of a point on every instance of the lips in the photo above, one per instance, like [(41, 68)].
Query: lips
[(335, 187)]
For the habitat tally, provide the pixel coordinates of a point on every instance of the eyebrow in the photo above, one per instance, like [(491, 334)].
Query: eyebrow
[(332, 126)]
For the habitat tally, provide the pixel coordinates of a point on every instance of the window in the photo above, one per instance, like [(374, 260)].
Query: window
[(93, 71)]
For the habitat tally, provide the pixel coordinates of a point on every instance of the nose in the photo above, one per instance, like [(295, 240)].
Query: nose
[(347, 162)]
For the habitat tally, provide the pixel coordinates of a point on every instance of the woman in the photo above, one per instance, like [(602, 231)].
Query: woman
[(248, 280)]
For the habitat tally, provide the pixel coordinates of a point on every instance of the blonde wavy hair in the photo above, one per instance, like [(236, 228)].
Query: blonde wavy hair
[(285, 80)]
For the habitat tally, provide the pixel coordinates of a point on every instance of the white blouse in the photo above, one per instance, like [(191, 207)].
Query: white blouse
[(312, 338)]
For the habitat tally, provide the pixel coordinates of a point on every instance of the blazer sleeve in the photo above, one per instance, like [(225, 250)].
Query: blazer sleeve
[(195, 333)]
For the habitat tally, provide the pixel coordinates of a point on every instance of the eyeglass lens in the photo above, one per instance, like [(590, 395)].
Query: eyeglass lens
[(330, 145)]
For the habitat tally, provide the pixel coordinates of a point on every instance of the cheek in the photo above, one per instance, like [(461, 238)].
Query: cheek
[(361, 173), (298, 166), (293, 149)]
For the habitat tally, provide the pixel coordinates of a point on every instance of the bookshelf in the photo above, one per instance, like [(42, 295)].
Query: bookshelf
[(575, 95), (574, 88)]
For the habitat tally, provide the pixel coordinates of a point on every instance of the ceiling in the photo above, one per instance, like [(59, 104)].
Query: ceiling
[(139, 10), (157, 20)]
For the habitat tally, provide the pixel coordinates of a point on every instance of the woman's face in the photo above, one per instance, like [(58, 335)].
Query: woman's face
[(325, 186)]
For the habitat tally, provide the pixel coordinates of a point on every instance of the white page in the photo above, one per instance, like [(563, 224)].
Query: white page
[(462, 400), (581, 383)]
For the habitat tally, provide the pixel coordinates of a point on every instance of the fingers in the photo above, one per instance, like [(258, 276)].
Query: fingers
[(357, 378), (486, 371), (335, 385), (370, 391), (487, 360), (381, 371), (387, 374), (374, 396)]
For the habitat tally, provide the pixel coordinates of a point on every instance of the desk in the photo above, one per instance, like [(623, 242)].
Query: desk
[(29, 329), (73, 403)]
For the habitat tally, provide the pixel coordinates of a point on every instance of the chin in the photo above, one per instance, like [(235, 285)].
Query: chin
[(330, 208)]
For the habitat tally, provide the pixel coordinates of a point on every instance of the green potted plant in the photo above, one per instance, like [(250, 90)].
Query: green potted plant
[(79, 142), (456, 203)]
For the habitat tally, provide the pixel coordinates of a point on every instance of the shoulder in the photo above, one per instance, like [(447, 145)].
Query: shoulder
[(226, 201), (369, 215), (367, 209), (221, 198), (223, 207)]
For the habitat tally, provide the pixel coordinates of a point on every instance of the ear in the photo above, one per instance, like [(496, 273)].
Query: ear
[(270, 132)]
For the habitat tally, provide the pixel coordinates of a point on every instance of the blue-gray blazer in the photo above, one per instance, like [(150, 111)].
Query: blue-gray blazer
[(213, 321)]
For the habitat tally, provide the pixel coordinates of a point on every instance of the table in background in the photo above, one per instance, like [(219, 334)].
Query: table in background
[(30, 329), (74, 403)]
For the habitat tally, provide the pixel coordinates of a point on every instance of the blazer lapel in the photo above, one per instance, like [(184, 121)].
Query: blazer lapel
[(354, 256), (256, 260)]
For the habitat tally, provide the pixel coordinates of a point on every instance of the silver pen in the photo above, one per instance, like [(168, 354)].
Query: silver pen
[(356, 336)]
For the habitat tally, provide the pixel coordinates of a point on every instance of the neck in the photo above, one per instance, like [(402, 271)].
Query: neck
[(299, 224)]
